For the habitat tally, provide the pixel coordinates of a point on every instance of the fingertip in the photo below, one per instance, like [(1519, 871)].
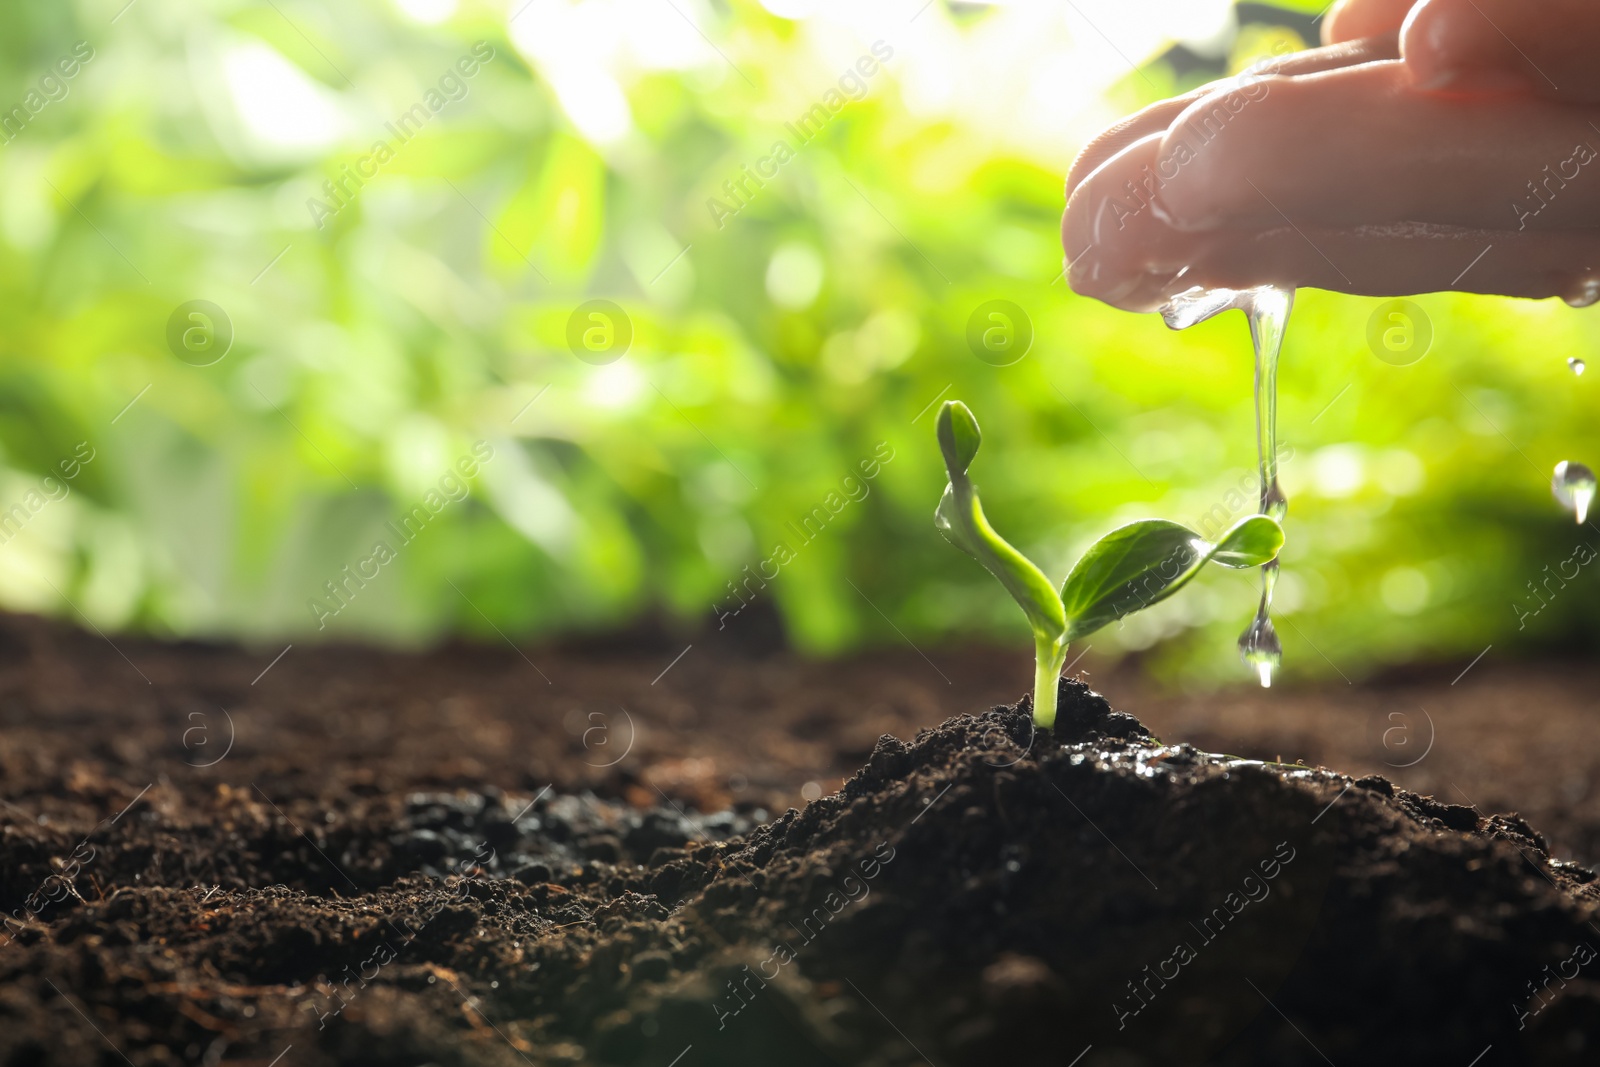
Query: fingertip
[(1096, 266), (1112, 237), (1333, 22), (1447, 46), (1348, 20)]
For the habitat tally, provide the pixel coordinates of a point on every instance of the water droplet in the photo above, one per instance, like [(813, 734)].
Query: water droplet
[(1274, 501), (1197, 305), (1574, 486), (1260, 648), (1585, 291), (1576, 365)]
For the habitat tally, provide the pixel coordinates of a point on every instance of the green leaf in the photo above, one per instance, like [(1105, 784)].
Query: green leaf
[(1249, 542), (1137, 565), (960, 518)]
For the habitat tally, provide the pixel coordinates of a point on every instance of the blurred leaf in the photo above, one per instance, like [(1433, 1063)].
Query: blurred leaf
[(555, 217)]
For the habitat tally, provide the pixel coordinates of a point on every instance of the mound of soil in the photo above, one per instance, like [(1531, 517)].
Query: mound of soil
[(983, 893)]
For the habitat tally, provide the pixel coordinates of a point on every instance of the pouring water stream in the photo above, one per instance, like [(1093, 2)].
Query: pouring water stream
[(1267, 307)]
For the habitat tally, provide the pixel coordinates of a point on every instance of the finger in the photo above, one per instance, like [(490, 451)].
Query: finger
[(1501, 162), (1114, 240), (1153, 119), (1545, 48), (1348, 20), (1134, 260), (1159, 116)]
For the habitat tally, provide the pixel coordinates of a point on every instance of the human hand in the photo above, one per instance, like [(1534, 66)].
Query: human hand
[(1440, 144)]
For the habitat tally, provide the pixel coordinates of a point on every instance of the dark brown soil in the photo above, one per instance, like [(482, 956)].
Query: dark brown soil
[(376, 858)]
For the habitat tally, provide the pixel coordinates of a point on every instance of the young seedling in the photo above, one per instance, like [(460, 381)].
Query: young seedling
[(1129, 568)]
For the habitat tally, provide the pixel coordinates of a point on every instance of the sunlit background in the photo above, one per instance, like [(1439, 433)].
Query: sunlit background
[(784, 330)]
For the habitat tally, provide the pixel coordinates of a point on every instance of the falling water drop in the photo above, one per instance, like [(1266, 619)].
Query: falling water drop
[(1584, 291), (1260, 648), (1576, 365), (1574, 486)]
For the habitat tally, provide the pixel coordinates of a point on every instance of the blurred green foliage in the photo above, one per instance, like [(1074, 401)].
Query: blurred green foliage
[(774, 349)]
